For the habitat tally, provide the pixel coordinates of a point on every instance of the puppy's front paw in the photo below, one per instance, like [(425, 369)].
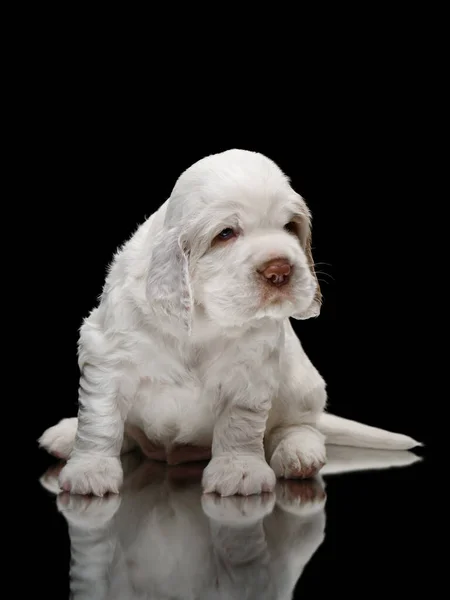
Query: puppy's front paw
[(242, 475), (86, 474), (299, 455)]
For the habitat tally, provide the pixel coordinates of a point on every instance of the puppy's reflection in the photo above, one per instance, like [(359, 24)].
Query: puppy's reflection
[(161, 538)]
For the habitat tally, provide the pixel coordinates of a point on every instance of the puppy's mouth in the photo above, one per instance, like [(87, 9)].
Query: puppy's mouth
[(276, 283), (275, 293)]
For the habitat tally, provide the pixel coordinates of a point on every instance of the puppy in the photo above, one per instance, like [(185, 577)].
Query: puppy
[(190, 353)]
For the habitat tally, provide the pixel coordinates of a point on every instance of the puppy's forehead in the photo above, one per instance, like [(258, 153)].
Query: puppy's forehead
[(243, 183), (258, 206), (259, 199)]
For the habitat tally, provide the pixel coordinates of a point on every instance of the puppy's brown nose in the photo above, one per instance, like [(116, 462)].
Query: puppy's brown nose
[(277, 272)]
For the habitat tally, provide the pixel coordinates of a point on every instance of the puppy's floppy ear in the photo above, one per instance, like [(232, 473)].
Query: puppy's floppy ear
[(168, 281), (313, 309)]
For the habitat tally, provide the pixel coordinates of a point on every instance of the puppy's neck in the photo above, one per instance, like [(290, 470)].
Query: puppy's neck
[(204, 329)]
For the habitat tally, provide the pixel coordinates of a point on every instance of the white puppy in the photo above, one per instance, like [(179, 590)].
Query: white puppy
[(190, 353)]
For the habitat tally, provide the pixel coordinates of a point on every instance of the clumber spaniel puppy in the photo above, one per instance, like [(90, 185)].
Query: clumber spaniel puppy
[(190, 353)]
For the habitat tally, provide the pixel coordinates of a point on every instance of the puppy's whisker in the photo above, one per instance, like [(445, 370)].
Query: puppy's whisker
[(323, 281), (323, 273), (322, 263)]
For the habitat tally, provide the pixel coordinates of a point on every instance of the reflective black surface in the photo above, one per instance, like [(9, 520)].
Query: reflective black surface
[(358, 529), (364, 162)]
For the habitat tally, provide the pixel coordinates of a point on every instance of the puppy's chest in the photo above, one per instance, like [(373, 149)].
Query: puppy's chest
[(212, 363), (227, 362)]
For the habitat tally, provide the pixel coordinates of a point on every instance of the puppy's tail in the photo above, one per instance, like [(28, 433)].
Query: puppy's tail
[(344, 432)]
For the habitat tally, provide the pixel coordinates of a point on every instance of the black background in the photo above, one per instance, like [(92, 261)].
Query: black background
[(105, 148)]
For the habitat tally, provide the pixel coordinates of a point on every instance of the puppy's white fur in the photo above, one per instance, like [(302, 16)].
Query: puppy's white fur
[(190, 346)]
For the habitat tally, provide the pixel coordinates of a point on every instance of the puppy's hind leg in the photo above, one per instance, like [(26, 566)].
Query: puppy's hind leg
[(59, 439), (294, 446)]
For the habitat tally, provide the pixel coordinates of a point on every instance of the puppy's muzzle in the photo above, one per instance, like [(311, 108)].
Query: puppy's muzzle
[(276, 272)]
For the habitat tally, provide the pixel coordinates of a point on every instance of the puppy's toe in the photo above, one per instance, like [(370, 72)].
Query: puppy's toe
[(91, 475), (238, 475)]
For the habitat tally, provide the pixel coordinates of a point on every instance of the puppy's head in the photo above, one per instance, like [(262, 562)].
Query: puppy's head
[(238, 242)]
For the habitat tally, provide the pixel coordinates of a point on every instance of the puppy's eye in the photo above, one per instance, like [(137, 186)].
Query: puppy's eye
[(291, 227), (226, 234)]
